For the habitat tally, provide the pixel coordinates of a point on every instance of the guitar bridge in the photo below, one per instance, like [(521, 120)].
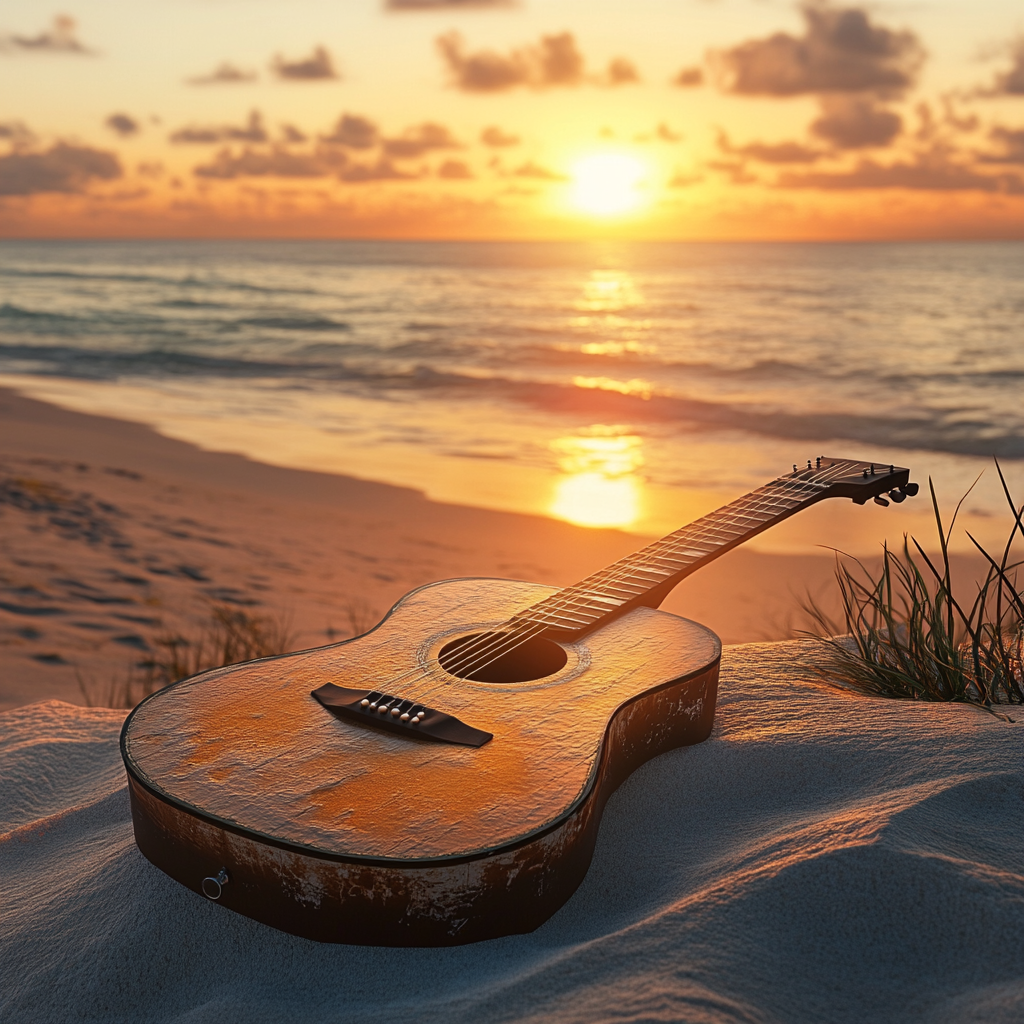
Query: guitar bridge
[(397, 714)]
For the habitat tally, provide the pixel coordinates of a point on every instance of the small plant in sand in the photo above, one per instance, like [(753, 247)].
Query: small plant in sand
[(229, 635), (909, 637)]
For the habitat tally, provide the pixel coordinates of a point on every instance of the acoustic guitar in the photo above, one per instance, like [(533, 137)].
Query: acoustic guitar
[(440, 779)]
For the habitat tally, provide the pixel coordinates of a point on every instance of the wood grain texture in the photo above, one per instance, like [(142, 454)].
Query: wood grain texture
[(248, 745), (396, 903)]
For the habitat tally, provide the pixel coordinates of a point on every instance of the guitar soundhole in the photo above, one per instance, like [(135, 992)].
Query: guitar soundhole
[(493, 658)]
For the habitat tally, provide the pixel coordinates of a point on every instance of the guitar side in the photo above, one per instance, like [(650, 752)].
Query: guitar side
[(345, 833)]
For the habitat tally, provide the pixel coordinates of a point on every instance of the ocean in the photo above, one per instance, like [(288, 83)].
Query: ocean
[(632, 385)]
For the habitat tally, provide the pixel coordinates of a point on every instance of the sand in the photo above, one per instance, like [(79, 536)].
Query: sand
[(112, 537), (823, 857)]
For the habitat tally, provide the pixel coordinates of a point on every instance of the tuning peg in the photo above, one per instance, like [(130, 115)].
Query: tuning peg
[(910, 489), (897, 495), (879, 500)]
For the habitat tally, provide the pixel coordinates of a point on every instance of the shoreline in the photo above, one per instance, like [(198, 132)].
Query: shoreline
[(114, 535)]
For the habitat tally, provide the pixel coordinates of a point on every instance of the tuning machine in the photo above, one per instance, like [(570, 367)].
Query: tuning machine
[(879, 500), (899, 494)]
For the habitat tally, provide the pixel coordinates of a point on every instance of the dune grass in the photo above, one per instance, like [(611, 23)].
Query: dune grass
[(904, 634), (229, 635)]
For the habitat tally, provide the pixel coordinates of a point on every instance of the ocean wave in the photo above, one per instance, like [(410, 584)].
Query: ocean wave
[(8, 311), (935, 430), (296, 323), (791, 342), (191, 304), (189, 281)]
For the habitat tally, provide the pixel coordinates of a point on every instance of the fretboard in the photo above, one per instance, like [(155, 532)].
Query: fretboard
[(655, 569)]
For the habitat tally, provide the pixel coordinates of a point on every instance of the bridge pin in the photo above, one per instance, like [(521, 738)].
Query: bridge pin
[(395, 712), (373, 707), (364, 703), (405, 717), (382, 710)]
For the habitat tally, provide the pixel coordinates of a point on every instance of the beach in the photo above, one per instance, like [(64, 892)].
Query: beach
[(822, 857), (114, 536)]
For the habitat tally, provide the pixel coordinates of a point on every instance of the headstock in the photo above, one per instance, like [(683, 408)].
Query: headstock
[(848, 478)]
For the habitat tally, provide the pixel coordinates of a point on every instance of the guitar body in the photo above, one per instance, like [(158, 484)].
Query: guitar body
[(338, 830)]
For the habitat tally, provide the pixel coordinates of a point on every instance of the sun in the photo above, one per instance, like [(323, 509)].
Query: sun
[(606, 184)]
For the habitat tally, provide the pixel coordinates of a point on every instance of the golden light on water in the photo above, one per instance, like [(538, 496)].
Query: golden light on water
[(607, 184), (600, 486)]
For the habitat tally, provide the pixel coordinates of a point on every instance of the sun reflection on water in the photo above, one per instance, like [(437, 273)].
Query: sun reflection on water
[(608, 291), (600, 486)]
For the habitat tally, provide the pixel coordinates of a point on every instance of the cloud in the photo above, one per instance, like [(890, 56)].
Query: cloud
[(532, 170), (444, 5), (59, 38), (621, 72), (554, 61), (926, 172), (224, 74), (17, 133), (317, 67), (681, 180), (1011, 142), (1010, 83), (122, 124), (382, 170), (61, 168), (292, 135), (250, 163), (455, 170), (662, 133), (770, 152), (853, 122), (498, 139), (689, 78), (353, 131), (420, 139), (735, 169), (253, 131), (841, 51)]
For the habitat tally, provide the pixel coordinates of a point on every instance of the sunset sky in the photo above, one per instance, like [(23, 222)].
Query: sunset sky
[(674, 119)]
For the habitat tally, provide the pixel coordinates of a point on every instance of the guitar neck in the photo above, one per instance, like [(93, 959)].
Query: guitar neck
[(647, 576)]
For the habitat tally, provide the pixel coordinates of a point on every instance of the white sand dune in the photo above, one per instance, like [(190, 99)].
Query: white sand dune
[(822, 858)]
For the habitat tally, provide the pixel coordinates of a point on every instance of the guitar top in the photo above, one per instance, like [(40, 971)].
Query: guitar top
[(249, 746)]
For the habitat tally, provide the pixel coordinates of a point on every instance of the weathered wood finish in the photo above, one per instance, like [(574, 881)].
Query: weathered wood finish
[(351, 834), (399, 903)]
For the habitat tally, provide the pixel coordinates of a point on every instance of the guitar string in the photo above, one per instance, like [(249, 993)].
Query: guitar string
[(720, 522), (724, 526), (507, 642), (510, 641), (790, 487), (565, 600), (721, 530)]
